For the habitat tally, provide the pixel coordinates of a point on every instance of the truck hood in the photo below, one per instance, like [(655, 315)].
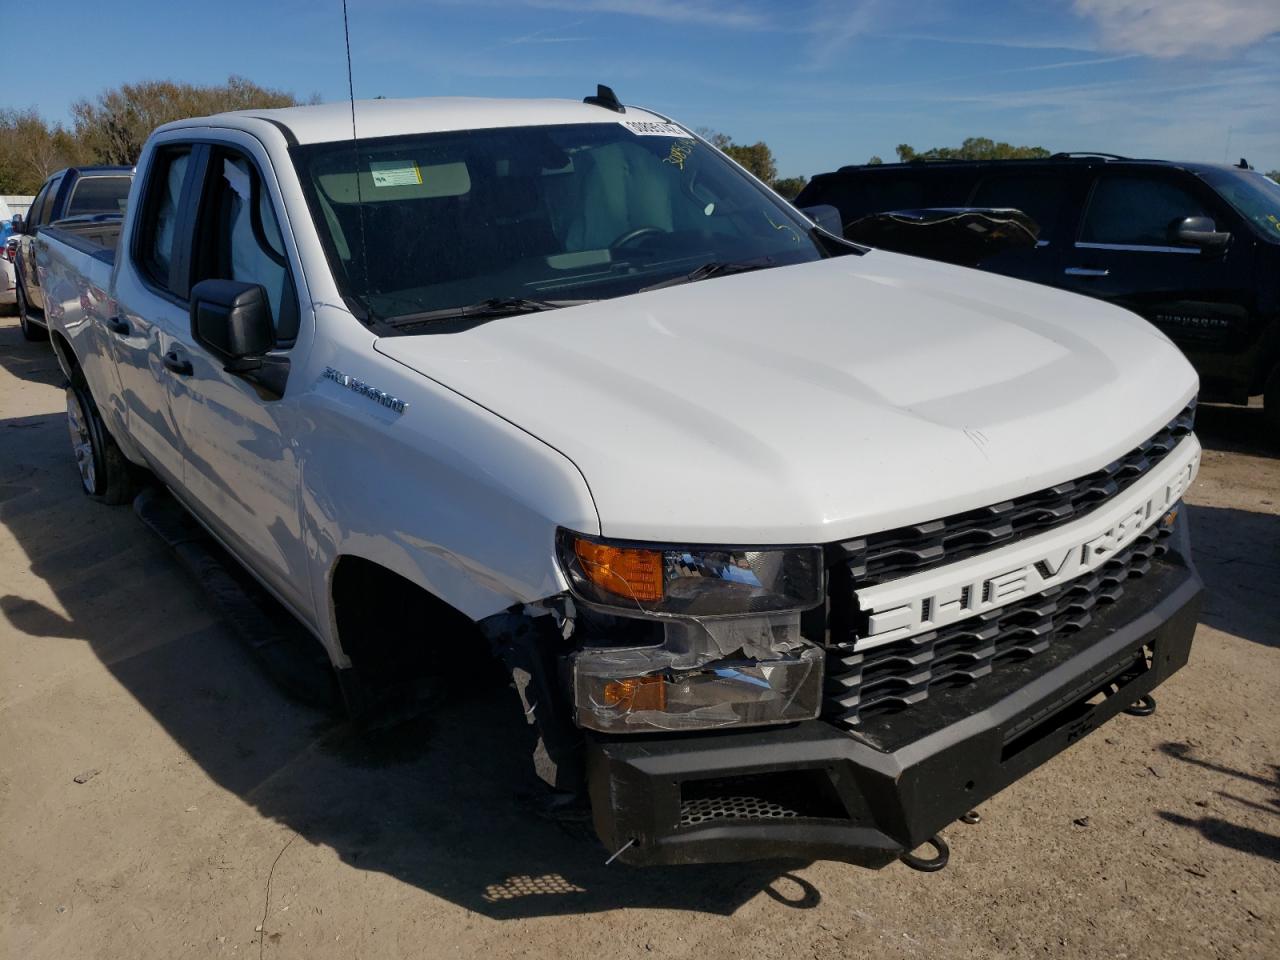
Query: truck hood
[(817, 402)]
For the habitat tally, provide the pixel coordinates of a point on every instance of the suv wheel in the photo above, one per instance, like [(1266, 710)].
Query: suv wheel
[(29, 330), (1271, 406), (105, 474)]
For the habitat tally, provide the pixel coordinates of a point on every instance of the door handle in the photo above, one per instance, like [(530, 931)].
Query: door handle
[(118, 325), (177, 364), (1085, 272)]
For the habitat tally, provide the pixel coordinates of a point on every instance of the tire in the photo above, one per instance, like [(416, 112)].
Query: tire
[(1271, 407), (105, 474), (30, 330)]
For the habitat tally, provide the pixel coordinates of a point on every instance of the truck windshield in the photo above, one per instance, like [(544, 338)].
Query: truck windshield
[(93, 195), (418, 224), (1254, 196)]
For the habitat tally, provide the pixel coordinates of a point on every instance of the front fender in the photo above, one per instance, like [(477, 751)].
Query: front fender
[(446, 494)]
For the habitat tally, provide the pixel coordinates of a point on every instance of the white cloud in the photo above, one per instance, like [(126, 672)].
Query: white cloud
[(1172, 28), (672, 11)]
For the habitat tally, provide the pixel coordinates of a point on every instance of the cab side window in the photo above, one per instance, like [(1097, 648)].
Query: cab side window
[(158, 240), (45, 212), (1136, 211), (33, 213), (239, 237)]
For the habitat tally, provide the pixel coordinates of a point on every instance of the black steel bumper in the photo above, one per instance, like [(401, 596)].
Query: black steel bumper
[(818, 792)]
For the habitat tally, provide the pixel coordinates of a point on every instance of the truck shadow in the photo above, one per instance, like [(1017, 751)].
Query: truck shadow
[(434, 803), (1217, 830), (1238, 555), (30, 360)]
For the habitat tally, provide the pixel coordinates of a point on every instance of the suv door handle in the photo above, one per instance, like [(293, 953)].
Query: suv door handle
[(118, 325), (1085, 272), (177, 364)]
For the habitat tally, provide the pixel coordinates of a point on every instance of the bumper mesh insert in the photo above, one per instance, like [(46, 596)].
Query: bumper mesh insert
[(694, 812)]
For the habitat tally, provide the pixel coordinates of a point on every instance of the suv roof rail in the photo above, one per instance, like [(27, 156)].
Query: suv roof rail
[(1083, 154)]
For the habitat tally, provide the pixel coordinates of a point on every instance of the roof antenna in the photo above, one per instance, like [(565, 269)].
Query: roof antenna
[(355, 149), (605, 97)]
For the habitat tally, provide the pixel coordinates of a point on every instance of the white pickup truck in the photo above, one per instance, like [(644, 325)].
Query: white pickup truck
[(793, 548)]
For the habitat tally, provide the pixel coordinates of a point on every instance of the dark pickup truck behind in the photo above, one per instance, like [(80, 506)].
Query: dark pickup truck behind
[(81, 195)]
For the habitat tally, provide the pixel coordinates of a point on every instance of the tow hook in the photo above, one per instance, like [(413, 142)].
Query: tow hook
[(1144, 706), (929, 864)]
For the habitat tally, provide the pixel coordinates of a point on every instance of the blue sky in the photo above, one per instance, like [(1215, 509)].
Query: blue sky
[(823, 82)]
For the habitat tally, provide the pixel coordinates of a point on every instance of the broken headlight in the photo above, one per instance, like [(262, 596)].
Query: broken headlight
[(691, 582)]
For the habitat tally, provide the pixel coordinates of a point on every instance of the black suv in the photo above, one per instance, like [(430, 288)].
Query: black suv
[(1192, 247)]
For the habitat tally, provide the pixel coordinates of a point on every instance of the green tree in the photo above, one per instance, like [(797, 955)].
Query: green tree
[(875, 161), (31, 149), (756, 157), (789, 187), (973, 148), (1274, 175), (115, 125)]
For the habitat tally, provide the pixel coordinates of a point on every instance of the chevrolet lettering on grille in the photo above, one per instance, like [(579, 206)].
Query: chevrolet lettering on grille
[(935, 598)]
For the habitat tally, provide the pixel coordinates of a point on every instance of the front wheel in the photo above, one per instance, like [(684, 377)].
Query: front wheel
[(105, 474)]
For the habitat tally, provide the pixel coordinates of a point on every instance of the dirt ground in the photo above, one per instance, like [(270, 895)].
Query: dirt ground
[(219, 819)]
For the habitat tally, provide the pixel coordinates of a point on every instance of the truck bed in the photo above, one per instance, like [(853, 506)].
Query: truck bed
[(96, 236)]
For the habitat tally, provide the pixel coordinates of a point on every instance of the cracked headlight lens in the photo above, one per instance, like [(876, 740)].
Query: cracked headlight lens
[(674, 581)]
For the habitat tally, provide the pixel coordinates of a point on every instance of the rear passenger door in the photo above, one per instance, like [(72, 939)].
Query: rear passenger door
[(1125, 252)]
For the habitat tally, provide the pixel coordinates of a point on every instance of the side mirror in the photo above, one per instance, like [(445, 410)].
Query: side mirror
[(1199, 232), (19, 225), (826, 216), (233, 321)]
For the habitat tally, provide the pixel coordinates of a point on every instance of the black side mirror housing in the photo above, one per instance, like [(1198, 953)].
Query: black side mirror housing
[(826, 216), (19, 224), (1199, 232), (232, 319)]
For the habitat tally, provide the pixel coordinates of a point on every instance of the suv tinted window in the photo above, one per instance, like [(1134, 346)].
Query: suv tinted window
[(1136, 210), (93, 195), (158, 237), (1040, 197)]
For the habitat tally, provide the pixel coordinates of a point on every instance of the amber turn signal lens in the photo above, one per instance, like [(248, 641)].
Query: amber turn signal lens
[(624, 571), (637, 693)]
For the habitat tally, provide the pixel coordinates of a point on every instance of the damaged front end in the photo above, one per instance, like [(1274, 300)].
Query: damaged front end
[(719, 640), (662, 639)]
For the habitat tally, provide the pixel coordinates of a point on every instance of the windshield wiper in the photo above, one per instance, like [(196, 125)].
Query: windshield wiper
[(483, 309), (716, 268)]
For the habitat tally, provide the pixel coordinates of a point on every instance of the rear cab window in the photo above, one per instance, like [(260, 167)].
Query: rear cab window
[(98, 195)]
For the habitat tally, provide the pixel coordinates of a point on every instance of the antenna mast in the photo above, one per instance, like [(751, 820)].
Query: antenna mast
[(355, 150)]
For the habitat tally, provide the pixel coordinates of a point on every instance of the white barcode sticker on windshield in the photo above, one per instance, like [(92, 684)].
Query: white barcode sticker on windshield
[(653, 128), (395, 173)]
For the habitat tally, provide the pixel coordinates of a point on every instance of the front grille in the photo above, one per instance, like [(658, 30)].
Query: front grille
[(892, 677), (879, 557)]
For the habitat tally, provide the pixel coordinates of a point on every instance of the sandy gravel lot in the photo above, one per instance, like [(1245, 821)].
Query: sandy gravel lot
[(219, 819)]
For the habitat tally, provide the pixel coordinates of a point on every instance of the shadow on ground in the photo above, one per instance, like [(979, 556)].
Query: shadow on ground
[(1238, 555), (435, 803), (1223, 832)]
